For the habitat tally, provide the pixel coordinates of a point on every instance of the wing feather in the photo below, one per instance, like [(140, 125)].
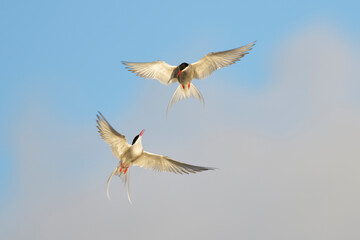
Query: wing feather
[(159, 70), (166, 164), (116, 141), (215, 60)]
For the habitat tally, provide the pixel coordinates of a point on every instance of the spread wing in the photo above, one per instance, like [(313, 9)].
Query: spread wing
[(159, 70), (116, 141), (215, 60), (165, 164)]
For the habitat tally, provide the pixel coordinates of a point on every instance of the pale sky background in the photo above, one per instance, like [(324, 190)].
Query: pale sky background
[(282, 125)]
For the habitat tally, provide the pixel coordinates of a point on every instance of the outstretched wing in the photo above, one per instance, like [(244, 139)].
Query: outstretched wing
[(159, 70), (116, 141), (215, 60), (165, 164)]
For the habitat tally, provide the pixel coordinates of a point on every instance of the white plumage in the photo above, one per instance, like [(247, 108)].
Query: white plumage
[(134, 155), (185, 73)]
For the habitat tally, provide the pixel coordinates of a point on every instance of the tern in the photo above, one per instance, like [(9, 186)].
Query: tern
[(185, 72), (134, 155)]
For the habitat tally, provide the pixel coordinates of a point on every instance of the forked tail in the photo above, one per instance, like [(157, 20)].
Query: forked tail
[(108, 183), (182, 93), (124, 177)]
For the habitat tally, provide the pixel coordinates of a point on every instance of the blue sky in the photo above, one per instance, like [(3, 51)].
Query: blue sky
[(62, 59)]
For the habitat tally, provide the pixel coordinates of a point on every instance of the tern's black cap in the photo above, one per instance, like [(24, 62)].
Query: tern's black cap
[(135, 138), (183, 66)]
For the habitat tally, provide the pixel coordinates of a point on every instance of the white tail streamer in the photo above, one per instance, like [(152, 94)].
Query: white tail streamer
[(124, 178), (182, 93)]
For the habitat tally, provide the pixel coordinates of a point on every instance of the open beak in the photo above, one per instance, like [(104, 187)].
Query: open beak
[(142, 132)]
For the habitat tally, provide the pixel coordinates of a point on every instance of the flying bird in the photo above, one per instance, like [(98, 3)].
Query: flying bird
[(185, 72), (134, 155)]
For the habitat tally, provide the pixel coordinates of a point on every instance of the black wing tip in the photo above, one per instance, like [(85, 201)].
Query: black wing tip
[(211, 168), (196, 169), (98, 120), (100, 116), (200, 169), (128, 65)]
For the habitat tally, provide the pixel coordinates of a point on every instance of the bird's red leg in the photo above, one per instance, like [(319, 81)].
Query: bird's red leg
[(183, 86), (126, 169), (121, 167), (189, 85)]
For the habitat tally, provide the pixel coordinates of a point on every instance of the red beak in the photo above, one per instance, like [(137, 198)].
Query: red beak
[(142, 132), (178, 74)]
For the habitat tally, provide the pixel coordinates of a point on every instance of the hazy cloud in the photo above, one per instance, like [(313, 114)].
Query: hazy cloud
[(288, 159)]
